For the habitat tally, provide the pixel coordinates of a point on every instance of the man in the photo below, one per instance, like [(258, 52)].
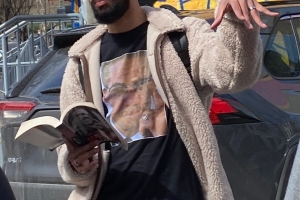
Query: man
[(184, 162)]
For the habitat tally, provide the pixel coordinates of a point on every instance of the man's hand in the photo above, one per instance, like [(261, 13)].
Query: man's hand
[(243, 9), (81, 158)]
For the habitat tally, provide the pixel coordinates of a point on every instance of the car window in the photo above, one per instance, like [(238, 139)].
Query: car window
[(49, 76), (281, 55)]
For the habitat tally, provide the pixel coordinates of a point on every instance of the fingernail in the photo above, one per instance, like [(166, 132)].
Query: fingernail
[(249, 25)]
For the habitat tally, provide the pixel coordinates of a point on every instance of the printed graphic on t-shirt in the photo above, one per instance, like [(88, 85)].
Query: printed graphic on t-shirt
[(135, 107)]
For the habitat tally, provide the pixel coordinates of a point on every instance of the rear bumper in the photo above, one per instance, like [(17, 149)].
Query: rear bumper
[(41, 191)]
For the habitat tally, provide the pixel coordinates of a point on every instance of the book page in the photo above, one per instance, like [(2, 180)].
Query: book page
[(45, 136), (25, 128), (41, 132)]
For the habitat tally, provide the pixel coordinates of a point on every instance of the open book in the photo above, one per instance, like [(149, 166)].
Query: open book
[(81, 123)]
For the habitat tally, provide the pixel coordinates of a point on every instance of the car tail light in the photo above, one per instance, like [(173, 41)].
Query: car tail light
[(14, 110), (223, 112), (219, 106)]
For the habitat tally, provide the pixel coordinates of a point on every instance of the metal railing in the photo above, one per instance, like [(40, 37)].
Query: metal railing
[(25, 39)]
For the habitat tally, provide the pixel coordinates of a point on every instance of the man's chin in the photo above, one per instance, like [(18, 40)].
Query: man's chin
[(106, 20), (111, 12)]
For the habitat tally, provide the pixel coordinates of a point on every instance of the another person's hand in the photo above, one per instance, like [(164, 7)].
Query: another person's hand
[(243, 9), (82, 158)]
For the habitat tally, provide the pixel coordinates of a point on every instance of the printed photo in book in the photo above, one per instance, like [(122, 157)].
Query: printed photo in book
[(88, 125)]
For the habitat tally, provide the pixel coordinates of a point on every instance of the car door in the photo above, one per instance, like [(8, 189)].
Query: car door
[(281, 84)]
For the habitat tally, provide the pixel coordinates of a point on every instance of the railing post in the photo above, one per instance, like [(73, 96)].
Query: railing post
[(4, 67), (18, 68), (30, 43)]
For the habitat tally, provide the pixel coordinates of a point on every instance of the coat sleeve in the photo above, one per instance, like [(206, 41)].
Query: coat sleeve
[(229, 59), (71, 92)]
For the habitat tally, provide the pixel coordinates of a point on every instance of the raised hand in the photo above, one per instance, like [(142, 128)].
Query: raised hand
[(244, 10)]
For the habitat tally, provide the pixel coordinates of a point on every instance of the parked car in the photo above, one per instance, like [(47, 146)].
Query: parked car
[(257, 129)]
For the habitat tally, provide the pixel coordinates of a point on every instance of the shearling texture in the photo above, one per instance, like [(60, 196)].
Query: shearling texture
[(224, 61)]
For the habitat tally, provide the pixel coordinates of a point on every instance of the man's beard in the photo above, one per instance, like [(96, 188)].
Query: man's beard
[(109, 15)]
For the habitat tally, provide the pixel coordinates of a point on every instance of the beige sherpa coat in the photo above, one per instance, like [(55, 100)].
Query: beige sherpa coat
[(224, 61)]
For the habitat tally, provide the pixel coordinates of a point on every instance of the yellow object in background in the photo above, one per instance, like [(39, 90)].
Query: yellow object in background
[(76, 6), (189, 4)]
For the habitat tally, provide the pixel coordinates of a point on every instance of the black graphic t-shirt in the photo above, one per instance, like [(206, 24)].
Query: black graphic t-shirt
[(156, 165)]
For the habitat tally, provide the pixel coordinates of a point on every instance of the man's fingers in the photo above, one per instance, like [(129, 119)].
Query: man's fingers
[(84, 161), (241, 9), (86, 155), (219, 16), (245, 9), (216, 23), (264, 10), (82, 150), (256, 18), (86, 166), (254, 6), (237, 10), (255, 14)]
